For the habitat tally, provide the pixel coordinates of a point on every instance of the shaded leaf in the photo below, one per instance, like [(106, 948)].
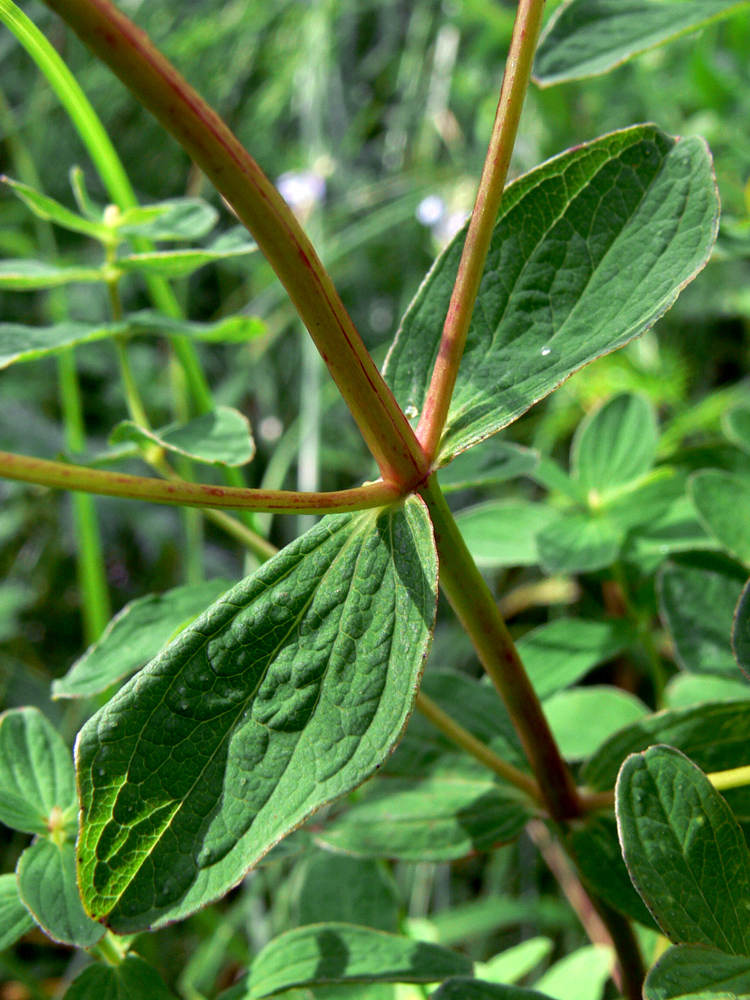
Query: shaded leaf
[(47, 885), (37, 784), (476, 989), (590, 249), (50, 210), (697, 606), (338, 953), (495, 462), (174, 219), (685, 851), (132, 979), (563, 651), (722, 501), (741, 631), (15, 919), (579, 543), (221, 437), (441, 818), (28, 275), (736, 425), (614, 445), (588, 37), (343, 889), (504, 532), (134, 636), (582, 718), (284, 695), (694, 970)]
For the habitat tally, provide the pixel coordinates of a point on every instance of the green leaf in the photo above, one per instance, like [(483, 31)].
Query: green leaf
[(686, 690), (736, 426), (132, 979), (495, 462), (589, 250), (645, 501), (37, 784), (50, 210), (722, 501), (741, 631), (175, 219), (696, 971), (340, 953), (685, 851), (504, 532), (565, 650), (442, 818), (514, 963), (344, 889), (86, 206), (614, 445), (582, 718), (697, 606), (15, 919), (589, 37), (677, 529), (497, 913), (284, 695), (181, 263), (476, 989), (29, 275), (579, 976), (134, 636), (221, 437), (27, 343), (596, 851), (47, 885), (579, 543)]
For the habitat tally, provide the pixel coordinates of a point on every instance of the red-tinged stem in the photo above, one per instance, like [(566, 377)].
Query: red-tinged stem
[(157, 84), (471, 599), (515, 84), (63, 476)]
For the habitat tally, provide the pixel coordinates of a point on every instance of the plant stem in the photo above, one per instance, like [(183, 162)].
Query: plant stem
[(515, 84), (471, 599), (158, 85), (252, 541), (464, 739), (63, 476), (631, 971), (736, 777)]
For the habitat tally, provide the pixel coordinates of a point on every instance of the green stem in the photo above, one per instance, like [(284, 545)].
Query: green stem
[(515, 84), (471, 599), (109, 949), (736, 777), (63, 476), (158, 85), (464, 739), (252, 541)]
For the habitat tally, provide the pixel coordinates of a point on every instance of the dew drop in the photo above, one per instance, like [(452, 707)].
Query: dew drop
[(411, 412), (546, 351), (101, 771)]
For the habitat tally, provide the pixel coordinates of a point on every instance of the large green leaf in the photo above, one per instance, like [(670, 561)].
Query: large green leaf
[(134, 636), (26, 343), (685, 851), (722, 500), (589, 250), (504, 532), (582, 718), (132, 979), (47, 885), (588, 37), (340, 953), (220, 437), (37, 784), (15, 919), (442, 818), (29, 275), (697, 605), (614, 445), (284, 695), (696, 971)]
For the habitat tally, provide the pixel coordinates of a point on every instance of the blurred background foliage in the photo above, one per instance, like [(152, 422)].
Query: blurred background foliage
[(374, 117)]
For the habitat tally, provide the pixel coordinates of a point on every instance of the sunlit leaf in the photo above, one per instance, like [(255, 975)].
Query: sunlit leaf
[(181, 263), (50, 210), (514, 963), (582, 718), (579, 543), (579, 976), (504, 532), (175, 219), (221, 437), (29, 275), (495, 462), (614, 445)]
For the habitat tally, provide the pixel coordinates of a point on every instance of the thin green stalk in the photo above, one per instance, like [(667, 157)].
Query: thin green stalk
[(736, 777), (63, 476), (471, 599), (464, 739), (253, 542), (515, 84), (224, 160)]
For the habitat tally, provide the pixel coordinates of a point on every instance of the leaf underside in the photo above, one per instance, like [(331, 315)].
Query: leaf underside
[(288, 692), (589, 250)]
